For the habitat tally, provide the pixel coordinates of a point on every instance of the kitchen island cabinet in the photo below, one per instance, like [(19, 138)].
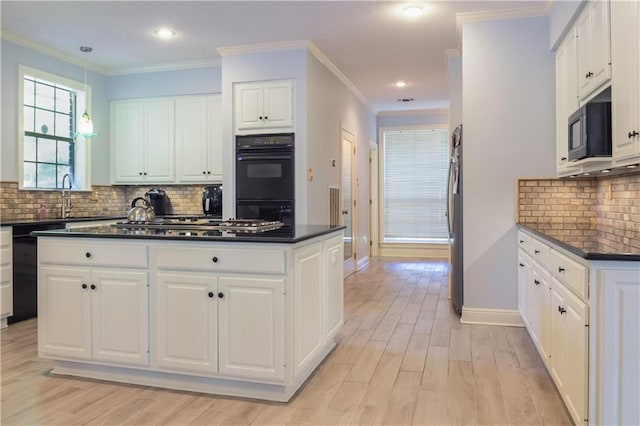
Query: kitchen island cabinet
[(251, 317)]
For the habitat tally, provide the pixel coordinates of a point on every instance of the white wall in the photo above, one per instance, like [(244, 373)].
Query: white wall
[(509, 132), (289, 64), (412, 118), (563, 14), (454, 66), (332, 106), (14, 55)]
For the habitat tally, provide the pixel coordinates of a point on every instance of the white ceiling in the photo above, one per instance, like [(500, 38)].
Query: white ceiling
[(370, 42)]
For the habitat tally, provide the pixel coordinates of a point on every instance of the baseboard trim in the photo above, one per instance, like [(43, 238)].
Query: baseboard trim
[(505, 317), (424, 251), (362, 263)]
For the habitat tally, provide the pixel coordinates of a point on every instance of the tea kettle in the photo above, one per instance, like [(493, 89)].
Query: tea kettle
[(139, 214)]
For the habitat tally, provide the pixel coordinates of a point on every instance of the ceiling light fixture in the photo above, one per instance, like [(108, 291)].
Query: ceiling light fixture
[(401, 83), (605, 171), (413, 10), (85, 127), (632, 166), (165, 33)]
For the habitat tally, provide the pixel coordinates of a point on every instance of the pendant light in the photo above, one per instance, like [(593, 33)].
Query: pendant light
[(85, 126)]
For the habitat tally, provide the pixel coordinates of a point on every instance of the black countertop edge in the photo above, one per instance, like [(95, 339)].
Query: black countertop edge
[(247, 238), (51, 221), (627, 257)]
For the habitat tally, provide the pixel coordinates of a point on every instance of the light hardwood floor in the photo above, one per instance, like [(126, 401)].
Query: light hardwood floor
[(402, 358)]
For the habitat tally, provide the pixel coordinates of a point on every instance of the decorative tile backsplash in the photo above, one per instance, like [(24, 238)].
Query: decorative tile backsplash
[(101, 201), (602, 212)]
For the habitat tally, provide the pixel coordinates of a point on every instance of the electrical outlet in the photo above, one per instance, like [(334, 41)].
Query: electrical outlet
[(94, 195), (310, 174)]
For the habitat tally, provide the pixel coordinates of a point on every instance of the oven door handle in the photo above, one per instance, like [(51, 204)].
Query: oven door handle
[(253, 157)]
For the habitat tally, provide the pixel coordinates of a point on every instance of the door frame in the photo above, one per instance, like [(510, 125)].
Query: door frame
[(373, 199), (350, 265)]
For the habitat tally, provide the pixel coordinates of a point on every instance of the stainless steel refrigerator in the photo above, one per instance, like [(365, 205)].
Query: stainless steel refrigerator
[(454, 215)]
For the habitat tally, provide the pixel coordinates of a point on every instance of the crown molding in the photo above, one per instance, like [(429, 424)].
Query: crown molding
[(49, 51), (413, 112), (176, 66), (263, 47), (501, 14)]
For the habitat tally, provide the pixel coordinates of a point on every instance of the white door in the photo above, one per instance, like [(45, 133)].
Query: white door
[(278, 104), (214, 114), (127, 135), (187, 322), (159, 141), (251, 327), (348, 190), (334, 304), (64, 313), (248, 102), (120, 316), (192, 137)]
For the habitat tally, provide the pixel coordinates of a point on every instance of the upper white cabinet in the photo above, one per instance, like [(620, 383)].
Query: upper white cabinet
[(263, 107), (566, 95), (594, 48), (6, 273), (198, 139), (142, 135), (625, 87)]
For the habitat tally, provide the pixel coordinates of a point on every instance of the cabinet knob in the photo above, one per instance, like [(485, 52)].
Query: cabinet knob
[(209, 172), (561, 310), (563, 158), (560, 269), (220, 295), (521, 241), (145, 173), (93, 286), (204, 173), (633, 134), (521, 265), (84, 286), (536, 251), (211, 294), (261, 118), (140, 173), (87, 255), (215, 259), (536, 282), (266, 118)]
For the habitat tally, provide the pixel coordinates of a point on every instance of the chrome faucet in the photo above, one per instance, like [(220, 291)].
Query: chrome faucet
[(66, 207)]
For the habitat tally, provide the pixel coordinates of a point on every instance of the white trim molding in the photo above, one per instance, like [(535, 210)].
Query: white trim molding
[(414, 112), (505, 317), (421, 251), (361, 263), (176, 66)]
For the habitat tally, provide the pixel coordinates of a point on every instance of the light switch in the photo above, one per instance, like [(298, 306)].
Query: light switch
[(310, 174)]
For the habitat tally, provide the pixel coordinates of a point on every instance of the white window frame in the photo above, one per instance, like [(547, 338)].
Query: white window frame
[(82, 148), (434, 249)]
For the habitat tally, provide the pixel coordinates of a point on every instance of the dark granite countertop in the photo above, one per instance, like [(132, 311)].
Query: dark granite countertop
[(286, 235), (587, 247), (57, 221)]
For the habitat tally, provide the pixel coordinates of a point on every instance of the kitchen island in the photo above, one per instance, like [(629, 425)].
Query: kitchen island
[(239, 314)]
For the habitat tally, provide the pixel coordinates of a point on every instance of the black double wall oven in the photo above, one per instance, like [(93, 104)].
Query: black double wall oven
[(265, 177)]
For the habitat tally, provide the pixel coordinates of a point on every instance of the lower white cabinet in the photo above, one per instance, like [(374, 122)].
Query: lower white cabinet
[(540, 294), (333, 255), (6, 273), (524, 271), (99, 315)]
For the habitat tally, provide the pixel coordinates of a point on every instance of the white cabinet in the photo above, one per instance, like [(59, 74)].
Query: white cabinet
[(615, 369), (566, 96), (99, 315), (263, 107), (198, 139), (92, 301), (334, 297), (251, 327), (187, 322), (539, 309), (524, 269), (594, 47), (142, 137), (625, 87), (6, 273)]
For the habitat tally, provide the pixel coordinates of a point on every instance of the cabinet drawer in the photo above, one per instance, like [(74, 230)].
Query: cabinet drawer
[(5, 256), (524, 242), (92, 253), (570, 272), (221, 259), (540, 253)]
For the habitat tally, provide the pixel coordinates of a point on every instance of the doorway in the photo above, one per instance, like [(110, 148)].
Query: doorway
[(349, 192)]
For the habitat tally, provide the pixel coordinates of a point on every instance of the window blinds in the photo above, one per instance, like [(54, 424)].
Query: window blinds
[(416, 164)]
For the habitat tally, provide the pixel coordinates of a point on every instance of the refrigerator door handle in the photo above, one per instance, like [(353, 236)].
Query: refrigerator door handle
[(449, 189)]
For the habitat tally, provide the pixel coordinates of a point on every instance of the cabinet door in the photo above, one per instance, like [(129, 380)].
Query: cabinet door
[(120, 316), (616, 349), (64, 313), (278, 104), (127, 136), (6, 272), (523, 285), (159, 141), (625, 93), (248, 101), (334, 304), (535, 315), (583, 29), (192, 139), (600, 42), (214, 113), (566, 95), (558, 334), (251, 327), (187, 322)]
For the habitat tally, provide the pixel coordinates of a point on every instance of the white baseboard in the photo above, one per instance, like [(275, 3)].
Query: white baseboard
[(505, 317), (425, 251), (362, 263), (3, 322)]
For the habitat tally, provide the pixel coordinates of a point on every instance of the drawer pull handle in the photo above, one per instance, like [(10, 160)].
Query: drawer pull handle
[(521, 265), (521, 241), (93, 286), (536, 251), (210, 294), (220, 295), (561, 310), (214, 259), (560, 269), (84, 285), (536, 282), (87, 255)]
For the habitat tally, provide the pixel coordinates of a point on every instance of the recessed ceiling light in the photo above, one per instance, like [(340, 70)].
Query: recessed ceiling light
[(586, 174), (632, 166), (605, 171), (413, 10), (401, 83), (406, 100), (165, 33)]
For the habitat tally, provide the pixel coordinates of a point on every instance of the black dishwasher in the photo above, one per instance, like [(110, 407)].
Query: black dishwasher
[(25, 270)]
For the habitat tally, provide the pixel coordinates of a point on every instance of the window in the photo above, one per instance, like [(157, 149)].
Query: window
[(415, 172), (49, 110)]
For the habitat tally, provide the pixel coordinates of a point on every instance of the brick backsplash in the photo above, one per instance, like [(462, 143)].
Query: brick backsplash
[(600, 212), (17, 205)]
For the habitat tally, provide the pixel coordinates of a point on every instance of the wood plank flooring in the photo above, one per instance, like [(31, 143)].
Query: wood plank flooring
[(402, 358)]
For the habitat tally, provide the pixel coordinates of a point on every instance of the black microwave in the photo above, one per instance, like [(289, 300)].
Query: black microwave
[(590, 131)]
